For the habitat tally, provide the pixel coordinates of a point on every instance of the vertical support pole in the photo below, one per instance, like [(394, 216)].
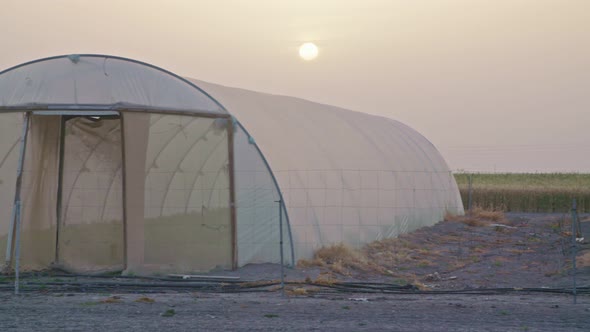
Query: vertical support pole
[(232, 193), (13, 216), (17, 250), (8, 258), (574, 247), (60, 176), (281, 247), (123, 189), (17, 202), (470, 199)]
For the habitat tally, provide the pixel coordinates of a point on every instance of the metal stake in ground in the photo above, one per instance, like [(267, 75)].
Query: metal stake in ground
[(574, 246), (470, 193), (17, 250), (281, 246)]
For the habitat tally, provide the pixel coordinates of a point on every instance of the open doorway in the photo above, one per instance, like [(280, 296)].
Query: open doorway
[(138, 192), (90, 234), (72, 193)]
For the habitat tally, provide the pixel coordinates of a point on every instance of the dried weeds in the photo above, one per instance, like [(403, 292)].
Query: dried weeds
[(464, 246), (297, 292), (479, 217)]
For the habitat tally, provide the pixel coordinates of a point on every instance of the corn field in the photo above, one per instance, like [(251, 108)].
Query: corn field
[(526, 192)]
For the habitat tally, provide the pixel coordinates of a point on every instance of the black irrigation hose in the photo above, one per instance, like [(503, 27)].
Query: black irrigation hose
[(262, 286), (103, 276)]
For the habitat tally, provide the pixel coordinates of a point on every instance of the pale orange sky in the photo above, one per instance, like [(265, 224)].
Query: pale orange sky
[(496, 85)]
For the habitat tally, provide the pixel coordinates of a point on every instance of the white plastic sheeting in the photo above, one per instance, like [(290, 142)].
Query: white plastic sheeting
[(10, 128), (39, 192), (257, 207), (345, 176), (178, 213), (99, 80)]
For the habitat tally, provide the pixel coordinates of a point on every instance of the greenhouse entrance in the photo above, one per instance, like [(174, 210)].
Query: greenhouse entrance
[(72, 192), (114, 190), (108, 163), (90, 233)]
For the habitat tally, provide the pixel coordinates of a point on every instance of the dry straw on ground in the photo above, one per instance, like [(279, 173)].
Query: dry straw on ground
[(395, 257), (479, 217)]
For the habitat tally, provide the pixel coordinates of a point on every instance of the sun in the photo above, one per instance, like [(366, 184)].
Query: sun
[(308, 51)]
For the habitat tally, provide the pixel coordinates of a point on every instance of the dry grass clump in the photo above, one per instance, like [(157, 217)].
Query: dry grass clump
[(377, 257), (398, 251), (340, 258), (479, 217), (326, 278), (299, 291), (426, 250), (496, 216)]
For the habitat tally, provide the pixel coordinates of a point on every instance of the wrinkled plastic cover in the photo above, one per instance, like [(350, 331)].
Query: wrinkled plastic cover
[(345, 176), (99, 80)]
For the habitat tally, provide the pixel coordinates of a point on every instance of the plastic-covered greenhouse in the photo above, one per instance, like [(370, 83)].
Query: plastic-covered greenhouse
[(112, 164)]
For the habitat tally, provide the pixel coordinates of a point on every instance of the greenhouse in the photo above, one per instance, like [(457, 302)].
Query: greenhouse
[(111, 164)]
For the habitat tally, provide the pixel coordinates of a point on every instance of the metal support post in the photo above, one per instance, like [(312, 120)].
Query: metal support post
[(574, 247), (470, 199), (17, 250), (13, 216), (17, 203), (281, 246)]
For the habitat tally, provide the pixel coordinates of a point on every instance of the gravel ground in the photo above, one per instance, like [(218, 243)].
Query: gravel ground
[(270, 311), (47, 307)]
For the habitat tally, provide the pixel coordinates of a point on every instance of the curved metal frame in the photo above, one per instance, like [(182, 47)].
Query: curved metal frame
[(120, 107), (122, 59)]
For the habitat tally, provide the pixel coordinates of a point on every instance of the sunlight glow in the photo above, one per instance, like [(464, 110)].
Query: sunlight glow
[(308, 51)]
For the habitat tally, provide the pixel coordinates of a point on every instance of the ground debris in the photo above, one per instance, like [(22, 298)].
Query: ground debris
[(433, 277), (358, 299), (145, 299), (168, 313)]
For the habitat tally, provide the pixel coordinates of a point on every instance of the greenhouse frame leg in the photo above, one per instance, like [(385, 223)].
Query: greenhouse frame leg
[(15, 222)]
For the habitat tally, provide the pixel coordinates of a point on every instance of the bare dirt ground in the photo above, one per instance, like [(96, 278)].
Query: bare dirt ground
[(521, 251), (271, 312), (511, 250)]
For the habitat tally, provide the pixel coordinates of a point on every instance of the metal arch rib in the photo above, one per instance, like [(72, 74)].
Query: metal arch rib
[(104, 56)]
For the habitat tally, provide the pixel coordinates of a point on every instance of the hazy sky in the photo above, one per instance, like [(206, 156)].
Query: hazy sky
[(496, 85)]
